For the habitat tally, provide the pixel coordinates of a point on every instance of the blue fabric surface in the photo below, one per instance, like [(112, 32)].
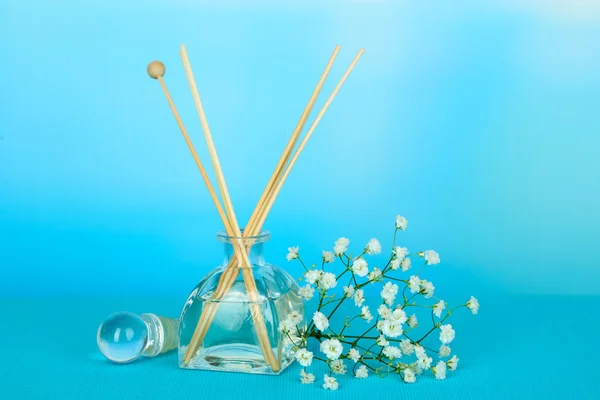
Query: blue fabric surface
[(526, 347)]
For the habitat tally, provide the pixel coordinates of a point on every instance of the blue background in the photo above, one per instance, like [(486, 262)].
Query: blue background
[(477, 120)]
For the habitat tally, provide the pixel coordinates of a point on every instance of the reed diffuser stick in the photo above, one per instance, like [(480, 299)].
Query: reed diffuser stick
[(242, 254), (229, 276)]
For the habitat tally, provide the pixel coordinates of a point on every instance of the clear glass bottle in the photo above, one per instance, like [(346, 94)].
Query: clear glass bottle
[(231, 342), (124, 337)]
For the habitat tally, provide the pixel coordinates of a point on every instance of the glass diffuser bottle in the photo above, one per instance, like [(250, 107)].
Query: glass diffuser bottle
[(218, 328)]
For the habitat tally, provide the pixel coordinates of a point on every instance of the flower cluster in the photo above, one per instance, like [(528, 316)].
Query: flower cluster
[(388, 345)]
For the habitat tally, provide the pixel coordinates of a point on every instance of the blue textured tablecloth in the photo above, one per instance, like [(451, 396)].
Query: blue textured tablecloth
[(529, 347)]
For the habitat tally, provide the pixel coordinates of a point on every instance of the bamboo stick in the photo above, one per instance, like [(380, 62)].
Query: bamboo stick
[(234, 229), (254, 229)]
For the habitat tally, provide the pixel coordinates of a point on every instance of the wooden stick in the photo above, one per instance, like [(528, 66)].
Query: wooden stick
[(230, 275), (234, 231), (224, 287)]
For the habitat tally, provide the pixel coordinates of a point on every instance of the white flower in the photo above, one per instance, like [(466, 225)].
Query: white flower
[(407, 347), (444, 351), (306, 378), (338, 367), (365, 313), (398, 315), (414, 284), (420, 351), (427, 288), (405, 264), (341, 245), (395, 264), (401, 222), (446, 334), (326, 281), (353, 355), (295, 317), (348, 291), (374, 275), (320, 320), (332, 348), (424, 362), (438, 308), (292, 253), (414, 367), (384, 312), (362, 372), (409, 376), (359, 297), (388, 293), (373, 247), (328, 256), (313, 275), (440, 370), (431, 257), (307, 292), (400, 252), (359, 267), (412, 321), (381, 341), (392, 352), (330, 383), (453, 363), (304, 357), (287, 326), (473, 305), (391, 328)]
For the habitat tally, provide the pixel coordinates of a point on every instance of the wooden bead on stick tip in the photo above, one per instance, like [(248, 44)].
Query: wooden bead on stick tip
[(156, 69)]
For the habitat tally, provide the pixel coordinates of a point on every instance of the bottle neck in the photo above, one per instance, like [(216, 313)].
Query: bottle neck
[(255, 254)]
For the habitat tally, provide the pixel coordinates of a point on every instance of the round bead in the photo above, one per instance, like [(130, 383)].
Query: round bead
[(156, 69)]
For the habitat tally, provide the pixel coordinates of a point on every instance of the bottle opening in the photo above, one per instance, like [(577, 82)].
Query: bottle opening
[(262, 237)]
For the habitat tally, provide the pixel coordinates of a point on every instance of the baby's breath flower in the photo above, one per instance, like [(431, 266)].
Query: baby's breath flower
[(420, 351), (373, 247), (306, 378), (412, 321), (405, 264), (365, 313), (295, 317), (307, 292), (341, 245), (439, 370), (401, 222), (447, 334), (304, 357), (320, 320), (353, 355), (381, 341), (427, 288), (326, 281), (384, 312), (414, 367), (362, 372), (424, 362), (407, 347), (292, 253), (400, 252), (452, 363), (438, 308), (359, 297), (391, 328), (328, 256), (360, 267), (444, 351), (414, 284), (338, 367), (313, 275), (392, 352), (374, 275), (473, 305), (409, 376), (348, 291), (332, 348), (388, 293), (398, 315), (395, 264), (330, 383), (431, 257)]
